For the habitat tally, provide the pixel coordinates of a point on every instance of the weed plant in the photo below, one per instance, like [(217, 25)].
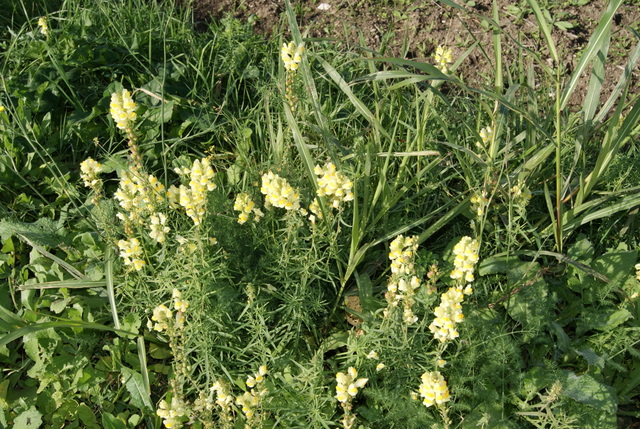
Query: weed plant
[(204, 229)]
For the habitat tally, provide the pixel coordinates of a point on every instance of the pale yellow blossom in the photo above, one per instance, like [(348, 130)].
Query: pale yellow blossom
[(443, 57), (291, 55), (433, 389), (123, 109)]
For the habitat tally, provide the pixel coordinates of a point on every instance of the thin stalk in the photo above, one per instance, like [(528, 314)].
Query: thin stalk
[(558, 223)]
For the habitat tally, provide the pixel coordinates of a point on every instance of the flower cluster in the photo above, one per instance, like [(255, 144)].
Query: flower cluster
[(637, 267), (138, 197), (162, 317), (466, 257), (333, 185), (433, 389), (179, 304), (89, 171), (44, 26), (279, 193), (443, 57), (158, 228), (348, 385), (449, 314), (402, 253), (172, 415), (131, 252), (123, 109), (291, 55), (520, 194), (193, 198), (346, 389), (225, 401), (250, 400), (257, 378), (486, 134), (245, 205), (479, 203), (403, 284)]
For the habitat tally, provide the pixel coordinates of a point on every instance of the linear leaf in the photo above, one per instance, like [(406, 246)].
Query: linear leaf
[(599, 36)]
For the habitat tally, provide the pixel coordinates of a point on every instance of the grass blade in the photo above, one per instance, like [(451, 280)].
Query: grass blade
[(600, 35), (546, 31)]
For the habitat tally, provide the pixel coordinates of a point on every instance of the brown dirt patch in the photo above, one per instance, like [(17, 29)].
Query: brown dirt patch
[(413, 28)]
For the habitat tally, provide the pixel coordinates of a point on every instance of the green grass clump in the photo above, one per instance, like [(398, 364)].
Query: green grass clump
[(197, 233)]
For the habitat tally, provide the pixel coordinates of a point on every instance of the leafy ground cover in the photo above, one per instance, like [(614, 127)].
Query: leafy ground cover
[(205, 228)]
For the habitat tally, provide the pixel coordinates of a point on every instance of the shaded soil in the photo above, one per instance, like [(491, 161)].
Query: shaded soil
[(414, 28)]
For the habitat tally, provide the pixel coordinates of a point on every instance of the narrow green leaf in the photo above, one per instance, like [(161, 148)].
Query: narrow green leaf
[(110, 287), (69, 284), (357, 103), (600, 35), (622, 82), (546, 31), (592, 99), (74, 272), (35, 327)]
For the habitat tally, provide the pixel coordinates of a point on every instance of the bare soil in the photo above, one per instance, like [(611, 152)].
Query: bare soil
[(414, 28)]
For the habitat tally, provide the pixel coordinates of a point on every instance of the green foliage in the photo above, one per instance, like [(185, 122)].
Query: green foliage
[(277, 307)]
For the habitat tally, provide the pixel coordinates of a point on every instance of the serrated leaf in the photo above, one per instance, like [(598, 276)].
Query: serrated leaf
[(135, 386), (29, 419), (587, 390)]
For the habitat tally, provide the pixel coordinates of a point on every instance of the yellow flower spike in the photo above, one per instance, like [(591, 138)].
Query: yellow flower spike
[(443, 57), (89, 170), (433, 389), (44, 25), (291, 55), (122, 109)]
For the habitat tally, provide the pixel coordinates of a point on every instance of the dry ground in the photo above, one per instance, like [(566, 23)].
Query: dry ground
[(413, 28)]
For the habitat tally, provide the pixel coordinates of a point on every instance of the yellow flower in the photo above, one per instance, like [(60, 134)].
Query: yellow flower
[(158, 228), (443, 57), (161, 315), (178, 303), (466, 257), (486, 134), (402, 254), (130, 251), (333, 185), (348, 384), (89, 172), (1, 108), (433, 389), (123, 109), (279, 193), (44, 26), (194, 197), (246, 206), (448, 315), (291, 55), (171, 414)]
